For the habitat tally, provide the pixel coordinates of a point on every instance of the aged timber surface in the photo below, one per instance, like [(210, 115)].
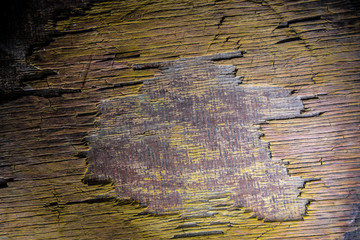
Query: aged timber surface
[(192, 129), (151, 73)]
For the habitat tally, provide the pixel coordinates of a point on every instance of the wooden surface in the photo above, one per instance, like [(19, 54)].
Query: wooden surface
[(298, 106)]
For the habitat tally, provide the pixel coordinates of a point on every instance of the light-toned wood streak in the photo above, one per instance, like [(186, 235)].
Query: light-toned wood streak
[(42, 146)]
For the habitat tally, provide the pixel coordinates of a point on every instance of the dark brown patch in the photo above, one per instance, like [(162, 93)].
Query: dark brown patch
[(193, 130)]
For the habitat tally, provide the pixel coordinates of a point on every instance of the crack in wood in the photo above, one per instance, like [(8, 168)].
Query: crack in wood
[(221, 21), (292, 39), (45, 93), (298, 20), (198, 234), (4, 181), (73, 32), (31, 73), (121, 85)]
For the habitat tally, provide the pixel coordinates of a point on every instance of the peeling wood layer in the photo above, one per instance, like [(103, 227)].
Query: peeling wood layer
[(192, 129)]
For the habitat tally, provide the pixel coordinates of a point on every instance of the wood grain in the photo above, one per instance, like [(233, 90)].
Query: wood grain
[(307, 48)]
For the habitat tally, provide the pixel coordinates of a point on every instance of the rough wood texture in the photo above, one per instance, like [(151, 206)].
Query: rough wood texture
[(192, 131), (101, 59)]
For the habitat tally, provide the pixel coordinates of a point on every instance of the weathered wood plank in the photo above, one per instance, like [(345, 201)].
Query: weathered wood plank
[(42, 135)]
